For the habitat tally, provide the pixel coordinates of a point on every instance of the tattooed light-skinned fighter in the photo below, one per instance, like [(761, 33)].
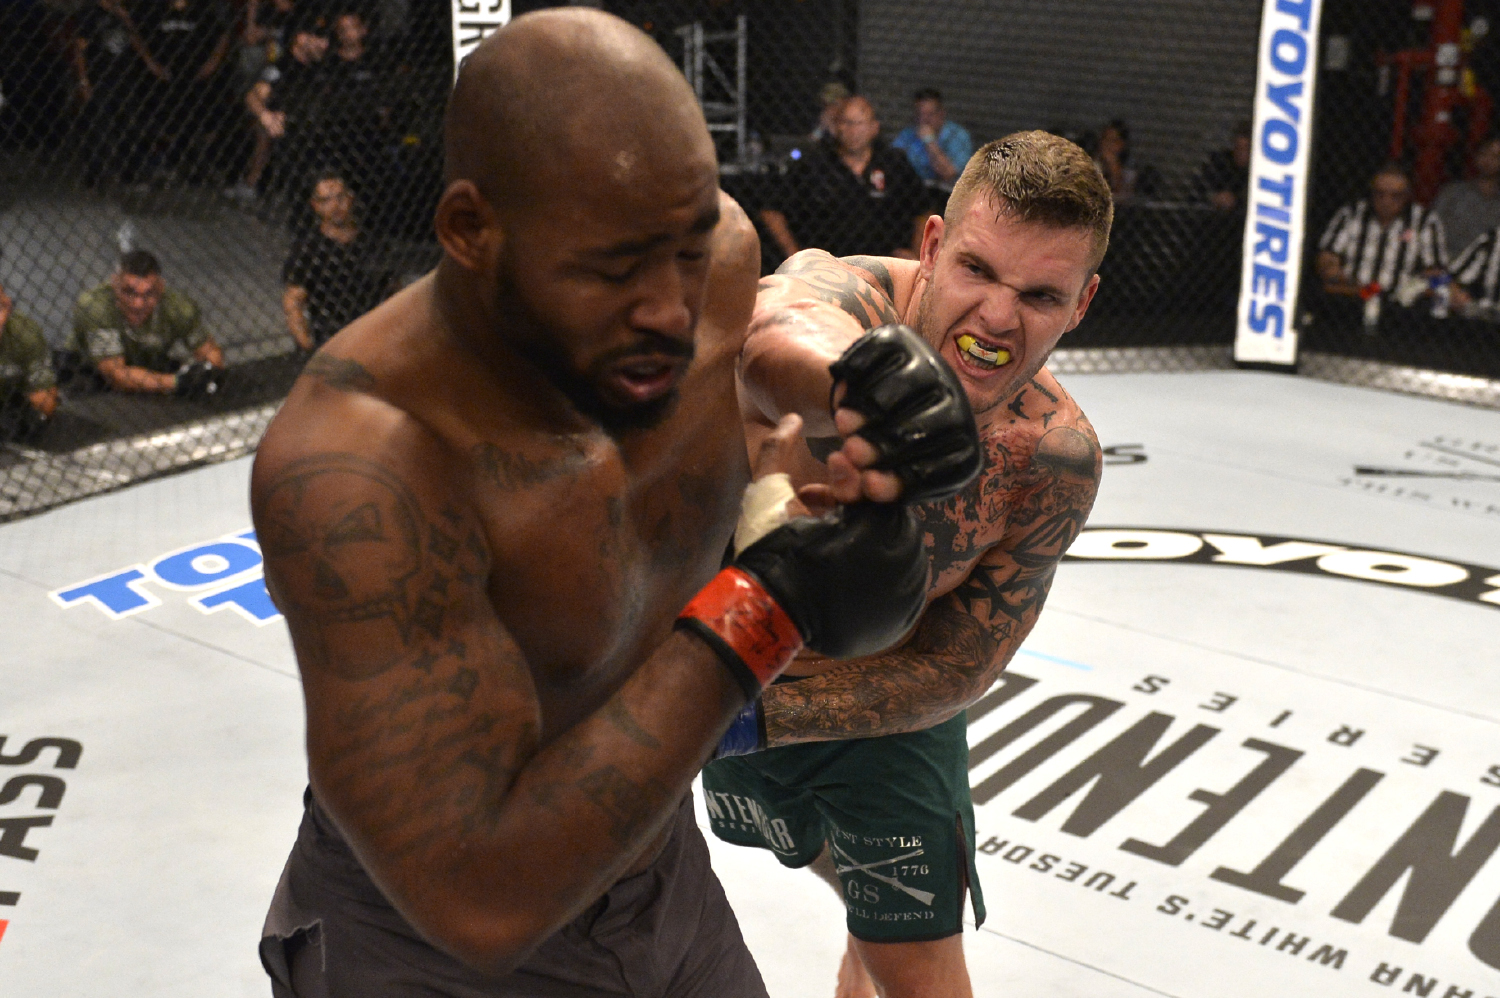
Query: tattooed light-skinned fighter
[(494, 512), (1010, 267)]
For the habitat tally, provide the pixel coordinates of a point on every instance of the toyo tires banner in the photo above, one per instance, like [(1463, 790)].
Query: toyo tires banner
[(1281, 149)]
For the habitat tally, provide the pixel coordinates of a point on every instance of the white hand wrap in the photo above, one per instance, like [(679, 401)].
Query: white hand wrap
[(763, 509)]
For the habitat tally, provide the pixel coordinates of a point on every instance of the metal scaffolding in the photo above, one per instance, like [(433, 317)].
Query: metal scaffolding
[(704, 54)]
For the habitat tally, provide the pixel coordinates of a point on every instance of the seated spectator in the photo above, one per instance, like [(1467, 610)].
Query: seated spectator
[(1224, 178), (330, 277), (1475, 292), (282, 103), (832, 97), (938, 149), (1126, 181), (28, 385), (140, 337), (1381, 240), (856, 196), (1372, 253), (1471, 208)]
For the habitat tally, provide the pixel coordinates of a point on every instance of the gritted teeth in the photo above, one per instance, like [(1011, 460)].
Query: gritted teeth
[(995, 358)]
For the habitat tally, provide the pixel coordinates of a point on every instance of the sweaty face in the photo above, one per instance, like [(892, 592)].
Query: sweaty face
[(137, 296), (602, 285), (1000, 293)]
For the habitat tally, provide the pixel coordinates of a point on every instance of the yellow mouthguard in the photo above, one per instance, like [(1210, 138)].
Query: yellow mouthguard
[(970, 346)]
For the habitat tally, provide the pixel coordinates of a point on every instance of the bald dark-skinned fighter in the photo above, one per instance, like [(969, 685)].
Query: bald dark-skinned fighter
[(495, 512)]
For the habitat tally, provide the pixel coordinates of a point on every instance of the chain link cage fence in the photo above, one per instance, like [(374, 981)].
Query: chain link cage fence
[(1405, 195), (194, 193)]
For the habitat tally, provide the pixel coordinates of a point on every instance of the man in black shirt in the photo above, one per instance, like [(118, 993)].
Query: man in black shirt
[(357, 110), (112, 81), (857, 196), (1224, 178), (186, 43), (330, 277), (284, 103)]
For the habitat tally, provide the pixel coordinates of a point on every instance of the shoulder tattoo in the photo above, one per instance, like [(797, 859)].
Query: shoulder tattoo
[(835, 282), (340, 372)]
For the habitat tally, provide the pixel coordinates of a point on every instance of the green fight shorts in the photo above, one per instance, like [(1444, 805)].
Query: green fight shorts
[(894, 813)]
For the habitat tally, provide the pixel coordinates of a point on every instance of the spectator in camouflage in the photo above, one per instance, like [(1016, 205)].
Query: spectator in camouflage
[(140, 337), (28, 385)]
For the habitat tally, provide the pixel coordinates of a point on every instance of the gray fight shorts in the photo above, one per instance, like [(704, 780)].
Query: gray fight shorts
[(666, 933)]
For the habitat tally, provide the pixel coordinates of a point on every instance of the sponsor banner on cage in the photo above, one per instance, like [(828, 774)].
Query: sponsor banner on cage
[(1214, 827), (473, 22), (1281, 149)]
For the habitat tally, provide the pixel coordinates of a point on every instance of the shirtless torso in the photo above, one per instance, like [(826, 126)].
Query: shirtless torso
[(398, 446)]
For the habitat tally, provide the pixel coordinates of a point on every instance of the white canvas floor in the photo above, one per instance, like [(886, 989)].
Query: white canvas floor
[(1369, 661)]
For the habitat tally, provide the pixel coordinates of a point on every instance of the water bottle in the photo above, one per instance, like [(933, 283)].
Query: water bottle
[(1442, 295), (1371, 294)]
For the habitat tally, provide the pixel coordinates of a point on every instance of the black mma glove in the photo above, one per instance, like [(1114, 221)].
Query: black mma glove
[(917, 415), (854, 580), (845, 584), (198, 380), (20, 421)]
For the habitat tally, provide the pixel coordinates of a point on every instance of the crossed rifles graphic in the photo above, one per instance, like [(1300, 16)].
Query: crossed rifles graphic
[(856, 867)]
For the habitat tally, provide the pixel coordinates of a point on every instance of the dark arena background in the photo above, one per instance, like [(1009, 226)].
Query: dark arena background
[(1252, 749)]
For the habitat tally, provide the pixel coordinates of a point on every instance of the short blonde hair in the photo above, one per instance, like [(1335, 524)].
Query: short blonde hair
[(1038, 177)]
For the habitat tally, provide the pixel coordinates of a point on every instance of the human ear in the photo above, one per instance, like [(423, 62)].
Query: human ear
[(932, 240), (467, 226), (1084, 299)]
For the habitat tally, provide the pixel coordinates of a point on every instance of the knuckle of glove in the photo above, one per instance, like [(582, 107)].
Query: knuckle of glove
[(199, 380), (917, 414), (854, 581)]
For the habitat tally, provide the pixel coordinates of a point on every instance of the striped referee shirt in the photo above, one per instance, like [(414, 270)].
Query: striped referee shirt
[(1370, 253), (1477, 268)]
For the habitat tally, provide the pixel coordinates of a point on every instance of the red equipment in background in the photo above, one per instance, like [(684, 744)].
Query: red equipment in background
[(1448, 87)]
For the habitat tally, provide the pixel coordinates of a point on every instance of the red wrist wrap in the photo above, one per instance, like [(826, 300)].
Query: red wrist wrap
[(748, 623)]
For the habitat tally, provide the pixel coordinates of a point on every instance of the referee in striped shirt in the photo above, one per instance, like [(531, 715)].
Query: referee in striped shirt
[(1476, 278), (1379, 241)]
